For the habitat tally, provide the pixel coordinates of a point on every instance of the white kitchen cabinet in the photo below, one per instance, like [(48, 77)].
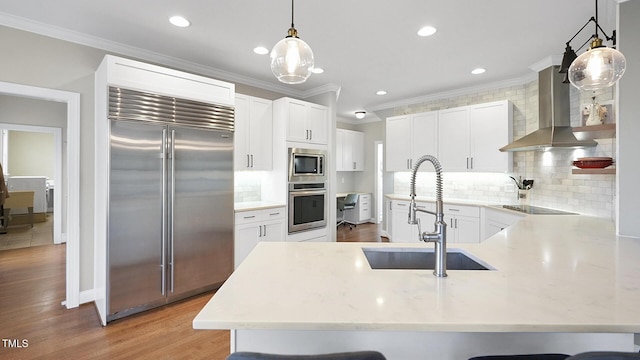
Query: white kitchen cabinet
[(349, 150), (401, 230), (361, 213), (140, 76), (408, 137), (453, 133), (490, 126), (254, 226), (463, 223), (495, 221), (305, 122), (253, 138), (470, 136)]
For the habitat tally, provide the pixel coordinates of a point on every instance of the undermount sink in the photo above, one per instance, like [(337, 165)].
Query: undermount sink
[(420, 259)]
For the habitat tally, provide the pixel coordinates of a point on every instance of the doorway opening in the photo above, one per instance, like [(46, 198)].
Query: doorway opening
[(70, 189), (32, 160), (379, 172)]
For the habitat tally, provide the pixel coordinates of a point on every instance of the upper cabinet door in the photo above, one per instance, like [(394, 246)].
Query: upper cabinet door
[(424, 137), (253, 138), (349, 150), (297, 120), (317, 124), (453, 136), (398, 143), (357, 151), (490, 125), (305, 122), (261, 134)]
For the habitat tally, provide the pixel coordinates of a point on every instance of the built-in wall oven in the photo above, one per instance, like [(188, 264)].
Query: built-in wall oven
[(307, 206)]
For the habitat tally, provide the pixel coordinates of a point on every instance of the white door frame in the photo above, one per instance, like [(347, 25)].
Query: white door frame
[(72, 190)]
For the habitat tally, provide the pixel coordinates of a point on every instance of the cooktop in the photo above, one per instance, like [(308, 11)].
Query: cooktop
[(536, 210)]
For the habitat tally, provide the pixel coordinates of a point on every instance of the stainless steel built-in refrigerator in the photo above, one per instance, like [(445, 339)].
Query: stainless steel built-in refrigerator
[(170, 200)]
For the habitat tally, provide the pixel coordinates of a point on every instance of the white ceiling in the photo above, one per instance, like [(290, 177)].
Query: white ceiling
[(363, 45)]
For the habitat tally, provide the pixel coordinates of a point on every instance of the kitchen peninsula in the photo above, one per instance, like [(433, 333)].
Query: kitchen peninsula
[(560, 284)]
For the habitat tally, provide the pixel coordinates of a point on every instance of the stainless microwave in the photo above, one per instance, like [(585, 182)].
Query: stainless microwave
[(307, 165)]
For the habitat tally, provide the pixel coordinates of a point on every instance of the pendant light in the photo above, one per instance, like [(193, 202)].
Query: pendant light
[(597, 68), (291, 58)]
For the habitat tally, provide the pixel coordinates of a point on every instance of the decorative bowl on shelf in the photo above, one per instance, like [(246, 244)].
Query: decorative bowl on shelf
[(593, 162)]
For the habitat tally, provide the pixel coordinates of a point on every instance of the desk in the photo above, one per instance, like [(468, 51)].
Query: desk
[(18, 200), (358, 215)]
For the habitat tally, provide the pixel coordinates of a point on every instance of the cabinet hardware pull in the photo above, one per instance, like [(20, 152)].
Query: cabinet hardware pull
[(260, 231), (249, 217), (467, 163), (265, 230), (471, 163), (354, 165), (251, 160), (454, 209), (273, 214), (248, 164)]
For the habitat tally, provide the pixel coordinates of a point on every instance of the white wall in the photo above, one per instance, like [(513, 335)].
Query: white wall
[(45, 62), (628, 121), (31, 154)]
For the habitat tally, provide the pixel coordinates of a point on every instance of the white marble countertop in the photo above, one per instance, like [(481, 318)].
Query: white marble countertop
[(566, 273), (448, 201), (255, 205)]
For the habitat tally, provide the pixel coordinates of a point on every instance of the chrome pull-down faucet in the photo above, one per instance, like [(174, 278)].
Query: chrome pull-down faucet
[(439, 234)]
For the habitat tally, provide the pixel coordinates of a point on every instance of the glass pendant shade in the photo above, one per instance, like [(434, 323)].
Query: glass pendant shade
[(597, 68), (292, 60)]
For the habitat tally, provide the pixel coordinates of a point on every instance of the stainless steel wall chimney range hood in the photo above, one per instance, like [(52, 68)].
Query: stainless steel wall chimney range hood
[(554, 124)]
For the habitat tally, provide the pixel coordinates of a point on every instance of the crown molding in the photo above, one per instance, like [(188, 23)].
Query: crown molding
[(158, 58), (454, 93)]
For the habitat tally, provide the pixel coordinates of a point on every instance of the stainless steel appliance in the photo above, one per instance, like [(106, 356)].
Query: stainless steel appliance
[(307, 206), (554, 123), (306, 165), (170, 231)]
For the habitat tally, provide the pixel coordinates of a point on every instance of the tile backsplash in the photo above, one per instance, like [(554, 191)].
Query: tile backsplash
[(247, 186), (555, 186)]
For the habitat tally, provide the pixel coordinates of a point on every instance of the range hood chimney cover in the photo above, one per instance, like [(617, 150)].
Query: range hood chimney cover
[(554, 124)]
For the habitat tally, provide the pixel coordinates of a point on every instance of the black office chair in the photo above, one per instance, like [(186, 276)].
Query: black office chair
[(349, 204), (523, 357), (358, 355), (605, 355), (592, 355)]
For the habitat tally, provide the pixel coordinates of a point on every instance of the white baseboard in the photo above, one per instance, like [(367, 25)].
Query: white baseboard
[(87, 296)]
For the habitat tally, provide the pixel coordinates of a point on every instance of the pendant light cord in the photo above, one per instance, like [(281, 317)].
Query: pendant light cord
[(596, 18), (292, 12)]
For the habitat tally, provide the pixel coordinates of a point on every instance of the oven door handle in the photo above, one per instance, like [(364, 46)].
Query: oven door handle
[(307, 192)]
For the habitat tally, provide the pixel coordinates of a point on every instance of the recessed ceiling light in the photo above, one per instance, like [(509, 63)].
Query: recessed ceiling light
[(478, 71), (179, 21), (381, 92), (427, 31), (261, 50), (360, 114), (317, 70)]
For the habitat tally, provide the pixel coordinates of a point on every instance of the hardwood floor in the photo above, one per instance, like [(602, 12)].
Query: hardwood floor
[(32, 286), (366, 232)]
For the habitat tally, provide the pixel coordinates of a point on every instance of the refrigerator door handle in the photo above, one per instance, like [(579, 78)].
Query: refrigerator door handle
[(172, 169), (163, 261)]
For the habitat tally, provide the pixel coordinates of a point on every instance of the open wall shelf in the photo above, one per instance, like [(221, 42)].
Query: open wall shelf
[(610, 171), (604, 131)]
